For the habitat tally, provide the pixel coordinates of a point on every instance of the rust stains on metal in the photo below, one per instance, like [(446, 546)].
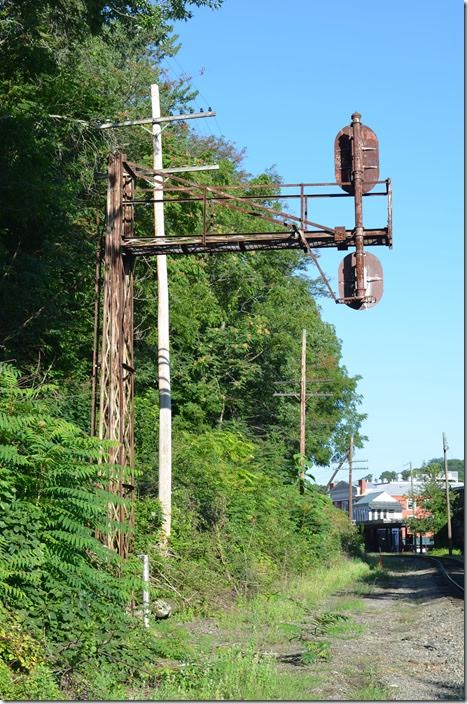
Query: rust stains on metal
[(344, 158), (373, 282)]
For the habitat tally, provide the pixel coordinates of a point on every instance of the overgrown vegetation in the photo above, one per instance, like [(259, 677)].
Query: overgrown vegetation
[(240, 528), (275, 629)]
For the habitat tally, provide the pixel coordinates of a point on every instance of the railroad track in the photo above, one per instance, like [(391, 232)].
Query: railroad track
[(452, 570)]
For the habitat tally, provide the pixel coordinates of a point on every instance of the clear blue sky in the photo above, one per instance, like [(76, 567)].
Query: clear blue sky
[(284, 78)]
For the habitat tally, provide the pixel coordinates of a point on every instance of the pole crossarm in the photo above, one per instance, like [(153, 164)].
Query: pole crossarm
[(309, 381), (151, 120), (308, 395), (138, 121)]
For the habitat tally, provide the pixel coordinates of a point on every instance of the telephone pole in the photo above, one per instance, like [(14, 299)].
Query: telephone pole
[(413, 509), (350, 479), (302, 397), (412, 487), (303, 413), (447, 494), (164, 368)]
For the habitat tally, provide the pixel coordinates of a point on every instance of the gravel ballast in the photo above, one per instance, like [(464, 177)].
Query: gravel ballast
[(412, 639)]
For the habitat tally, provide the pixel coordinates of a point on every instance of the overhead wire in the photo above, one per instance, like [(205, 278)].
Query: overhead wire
[(312, 255), (180, 77), (197, 88)]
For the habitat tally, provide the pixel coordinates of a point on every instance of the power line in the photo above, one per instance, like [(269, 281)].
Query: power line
[(190, 77)]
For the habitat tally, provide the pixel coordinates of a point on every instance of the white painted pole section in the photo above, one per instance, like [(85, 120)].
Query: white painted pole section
[(164, 376), (146, 599)]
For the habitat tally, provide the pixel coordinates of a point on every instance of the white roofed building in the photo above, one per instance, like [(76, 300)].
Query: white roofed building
[(381, 510)]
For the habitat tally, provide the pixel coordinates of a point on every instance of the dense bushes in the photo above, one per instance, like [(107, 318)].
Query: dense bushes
[(65, 596), (238, 527)]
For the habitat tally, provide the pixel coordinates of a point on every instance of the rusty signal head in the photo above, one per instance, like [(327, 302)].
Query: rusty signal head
[(344, 158), (373, 279)]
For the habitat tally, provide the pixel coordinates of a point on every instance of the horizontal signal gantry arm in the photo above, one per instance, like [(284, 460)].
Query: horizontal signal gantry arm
[(286, 224)]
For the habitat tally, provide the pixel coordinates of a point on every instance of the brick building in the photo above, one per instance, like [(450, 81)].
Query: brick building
[(381, 509)]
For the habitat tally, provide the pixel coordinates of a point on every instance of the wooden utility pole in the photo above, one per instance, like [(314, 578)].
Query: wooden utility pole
[(350, 479), (412, 487), (303, 413), (447, 494), (413, 509), (302, 397), (164, 370)]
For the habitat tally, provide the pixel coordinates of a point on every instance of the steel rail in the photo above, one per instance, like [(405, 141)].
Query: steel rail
[(440, 565), (446, 574)]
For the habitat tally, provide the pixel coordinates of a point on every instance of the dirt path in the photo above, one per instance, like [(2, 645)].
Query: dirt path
[(412, 639)]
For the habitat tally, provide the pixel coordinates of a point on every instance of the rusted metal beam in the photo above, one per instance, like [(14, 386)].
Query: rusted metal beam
[(259, 241), (117, 379), (96, 330), (220, 199)]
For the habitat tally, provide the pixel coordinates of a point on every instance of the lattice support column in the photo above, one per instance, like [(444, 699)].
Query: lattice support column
[(116, 420)]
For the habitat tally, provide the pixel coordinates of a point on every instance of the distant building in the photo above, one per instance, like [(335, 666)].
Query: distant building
[(452, 478), (381, 518), (381, 510)]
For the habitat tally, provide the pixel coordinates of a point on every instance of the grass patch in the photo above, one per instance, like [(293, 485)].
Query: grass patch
[(365, 587), (346, 627), (443, 552), (316, 650), (269, 617), (321, 583), (372, 691), (173, 641), (265, 623), (292, 631), (235, 675), (345, 604)]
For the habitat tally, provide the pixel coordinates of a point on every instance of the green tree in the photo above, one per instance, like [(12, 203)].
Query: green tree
[(453, 465), (84, 60), (63, 596), (432, 501), (388, 476)]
